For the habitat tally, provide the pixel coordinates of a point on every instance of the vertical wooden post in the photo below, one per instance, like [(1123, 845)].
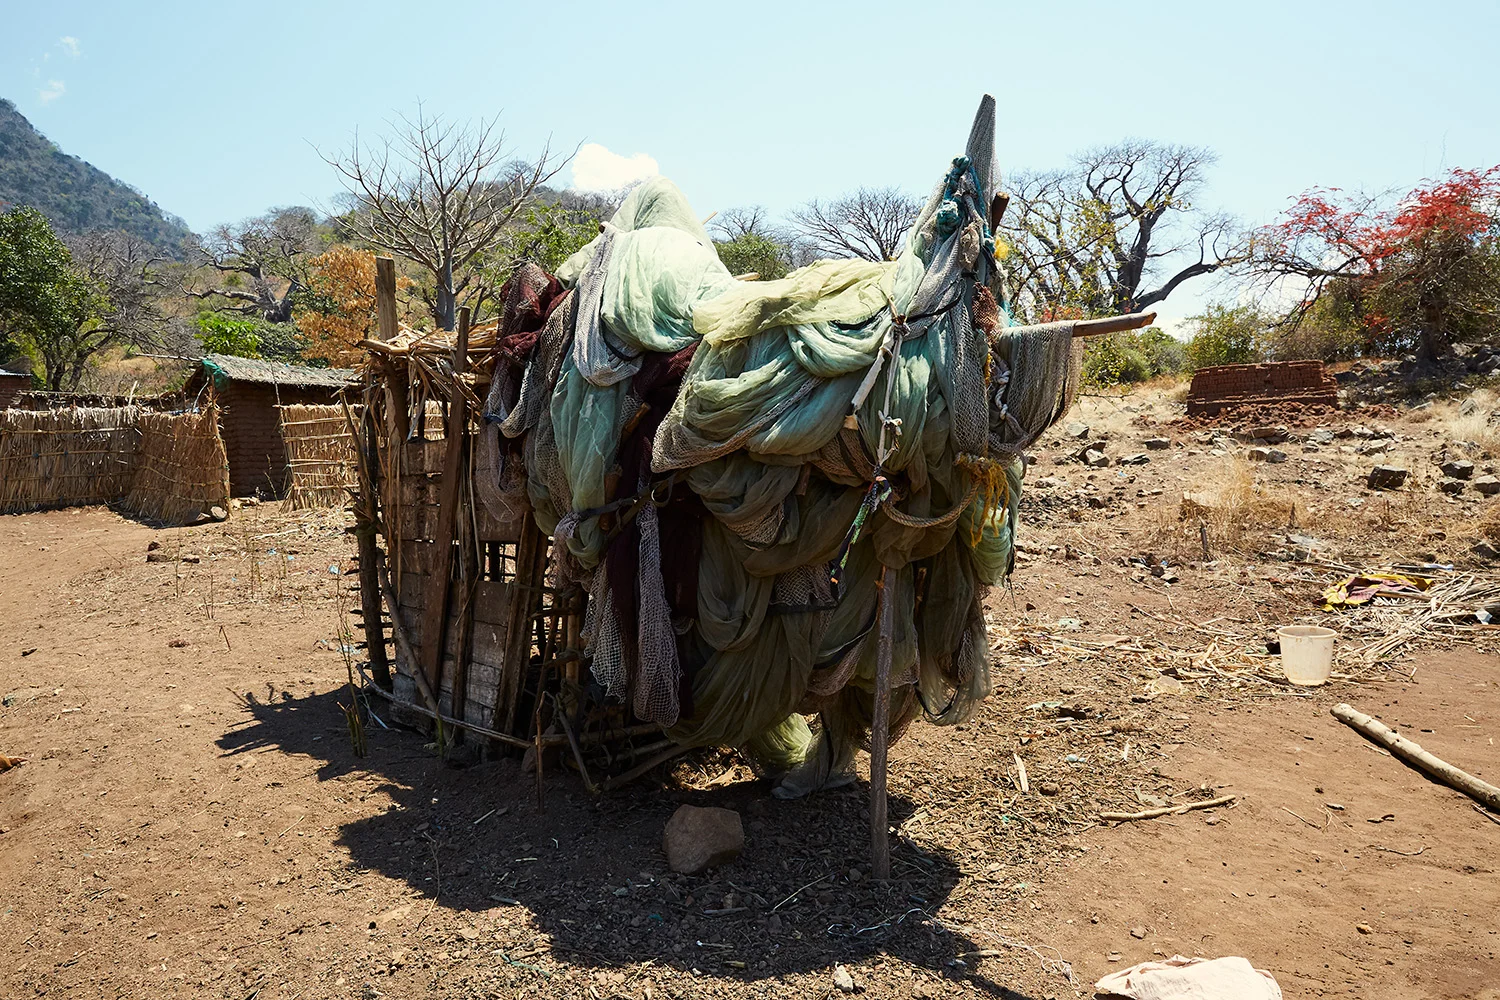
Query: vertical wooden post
[(385, 298), (369, 509), (435, 616), (880, 844), (385, 316), (366, 519)]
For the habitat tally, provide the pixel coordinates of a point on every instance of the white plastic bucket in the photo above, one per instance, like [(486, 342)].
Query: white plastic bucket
[(1306, 653)]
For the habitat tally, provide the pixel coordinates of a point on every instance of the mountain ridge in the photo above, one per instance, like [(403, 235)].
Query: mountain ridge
[(74, 194)]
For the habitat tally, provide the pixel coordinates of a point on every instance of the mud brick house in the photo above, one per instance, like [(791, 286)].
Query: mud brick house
[(12, 384), (1302, 382), (249, 390)]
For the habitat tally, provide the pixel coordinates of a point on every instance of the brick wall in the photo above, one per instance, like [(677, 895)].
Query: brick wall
[(1278, 381), (10, 387), (252, 434)]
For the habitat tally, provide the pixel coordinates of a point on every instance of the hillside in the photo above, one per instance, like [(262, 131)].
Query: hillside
[(75, 195)]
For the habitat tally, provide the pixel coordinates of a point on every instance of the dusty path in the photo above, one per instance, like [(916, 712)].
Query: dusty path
[(193, 822)]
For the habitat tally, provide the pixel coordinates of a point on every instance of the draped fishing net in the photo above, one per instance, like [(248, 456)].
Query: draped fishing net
[(849, 417)]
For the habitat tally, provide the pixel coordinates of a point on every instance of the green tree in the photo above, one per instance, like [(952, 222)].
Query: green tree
[(67, 305), (1228, 335), (1135, 356), (248, 337), (37, 284), (753, 252)]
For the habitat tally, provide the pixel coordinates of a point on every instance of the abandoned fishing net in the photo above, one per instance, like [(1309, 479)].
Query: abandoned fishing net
[(732, 529)]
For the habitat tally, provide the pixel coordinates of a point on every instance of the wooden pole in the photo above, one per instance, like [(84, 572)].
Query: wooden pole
[(435, 617), (385, 298), (1112, 324), (365, 524), (1410, 753), (880, 844), (385, 325)]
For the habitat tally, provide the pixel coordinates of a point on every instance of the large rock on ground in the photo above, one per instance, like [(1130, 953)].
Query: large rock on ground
[(1459, 468), (698, 838), (1488, 485), (1386, 477)]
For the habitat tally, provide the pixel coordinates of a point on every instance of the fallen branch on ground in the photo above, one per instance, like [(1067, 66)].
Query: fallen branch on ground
[(1435, 768), (1167, 810)]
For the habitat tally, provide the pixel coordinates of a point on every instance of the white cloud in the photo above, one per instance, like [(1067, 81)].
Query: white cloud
[(70, 44), (51, 92), (596, 168)]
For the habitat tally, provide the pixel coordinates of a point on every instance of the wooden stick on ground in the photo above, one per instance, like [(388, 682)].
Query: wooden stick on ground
[(880, 843), (1222, 800), (1410, 753)]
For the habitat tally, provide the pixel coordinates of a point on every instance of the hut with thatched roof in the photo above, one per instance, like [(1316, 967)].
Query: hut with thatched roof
[(249, 392)]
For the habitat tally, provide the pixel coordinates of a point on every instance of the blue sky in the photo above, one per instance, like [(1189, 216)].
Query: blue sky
[(217, 110)]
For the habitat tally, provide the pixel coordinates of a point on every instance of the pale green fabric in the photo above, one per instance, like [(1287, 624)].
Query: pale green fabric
[(757, 431)]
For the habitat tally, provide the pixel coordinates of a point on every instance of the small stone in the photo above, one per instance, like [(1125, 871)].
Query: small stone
[(842, 980), (1488, 485), (1139, 458), (773, 924), (1259, 454), (1157, 444), (153, 546), (1112, 957), (1321, 436), (1459, 468), (192, 559), (1095, 459), (1364, 928), (218, 513), (1138, 933), (1452, 487), (1485, 550), (1270, 435), (1390, 477), (1467, 407), (698, 838), (157, 556), (1378, 447), (1077, 430), (1049, 788)]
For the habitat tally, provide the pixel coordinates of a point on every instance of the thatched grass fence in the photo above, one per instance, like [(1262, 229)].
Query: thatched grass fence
[(165, 467), (66, 458), (181, 469), (320, 455)]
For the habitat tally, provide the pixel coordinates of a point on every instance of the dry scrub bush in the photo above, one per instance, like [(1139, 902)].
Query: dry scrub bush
[(1474, 426), (1230, 506)]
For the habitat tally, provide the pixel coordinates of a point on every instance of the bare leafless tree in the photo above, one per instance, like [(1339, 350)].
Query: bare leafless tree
[(261, 262), (870, 223), (439, 194), (120, 306), (1116, 233)]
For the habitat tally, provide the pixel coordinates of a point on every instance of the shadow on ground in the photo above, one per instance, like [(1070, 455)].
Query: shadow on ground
[(591, 870)]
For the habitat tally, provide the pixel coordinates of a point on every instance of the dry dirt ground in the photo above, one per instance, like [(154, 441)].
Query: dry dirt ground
[(192, 820)]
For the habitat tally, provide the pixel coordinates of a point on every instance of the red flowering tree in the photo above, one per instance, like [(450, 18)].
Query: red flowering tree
[(1422, 272)]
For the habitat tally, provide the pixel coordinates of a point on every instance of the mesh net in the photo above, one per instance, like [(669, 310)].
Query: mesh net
[(758, 434)]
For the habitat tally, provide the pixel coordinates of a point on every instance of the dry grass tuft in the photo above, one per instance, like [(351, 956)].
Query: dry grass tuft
[(1230, 510), (1474, 426)]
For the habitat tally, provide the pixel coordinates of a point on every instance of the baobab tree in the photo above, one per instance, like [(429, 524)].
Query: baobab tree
[(1115, 233), (439, 194)]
